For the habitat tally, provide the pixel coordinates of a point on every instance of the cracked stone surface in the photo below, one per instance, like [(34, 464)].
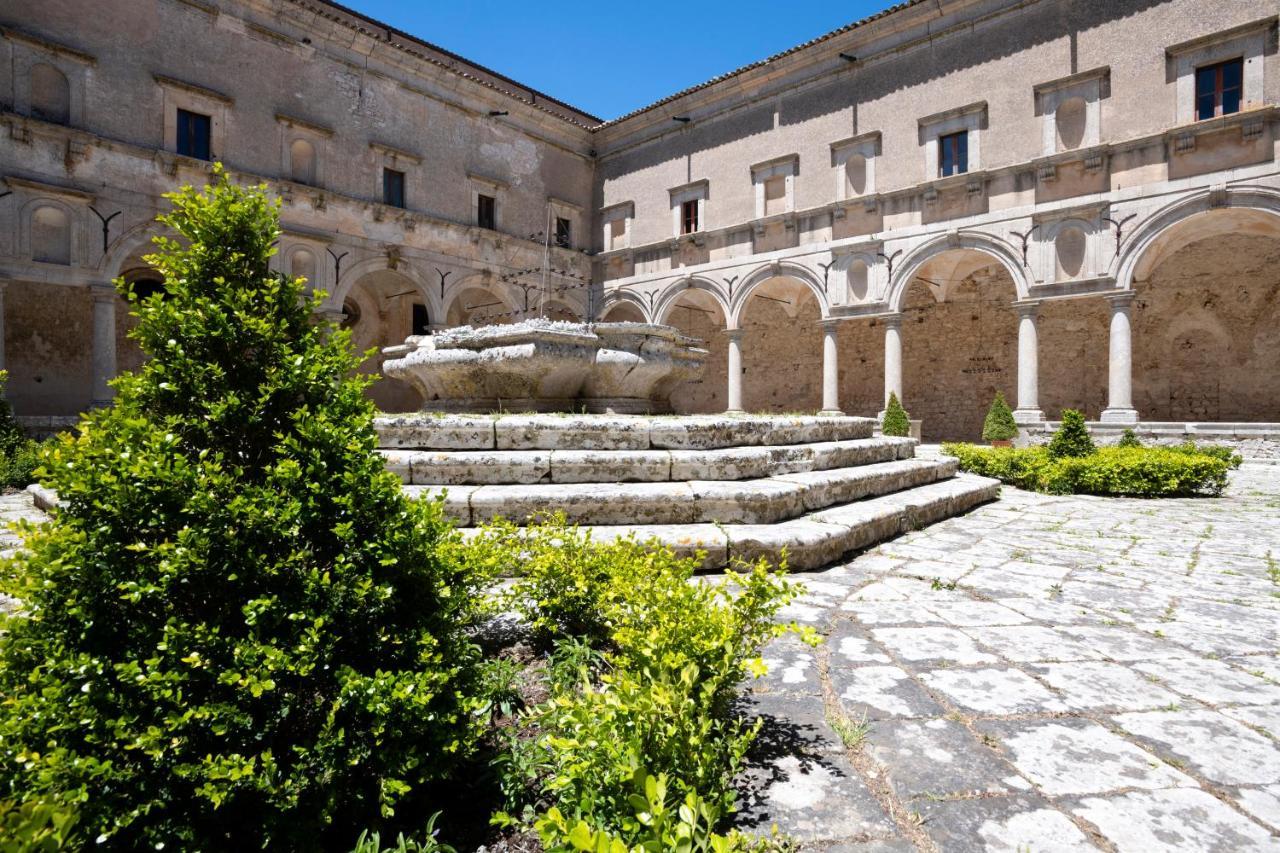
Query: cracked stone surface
[(1046, 673)]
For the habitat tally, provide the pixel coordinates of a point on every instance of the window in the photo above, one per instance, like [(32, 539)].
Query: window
[(50, 235), (1219, 89), (689, 216), (487, 212), (302, 161), (50, 94), (193, 134), (564, 232), (953, 154), (393, 187), (421, 322), (617, 234)]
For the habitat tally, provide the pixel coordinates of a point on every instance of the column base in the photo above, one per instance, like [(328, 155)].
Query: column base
[(1028, 416), (831, 413), (735, 411), (1119, 416)]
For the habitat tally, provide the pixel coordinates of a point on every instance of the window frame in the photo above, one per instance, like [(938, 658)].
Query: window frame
[(564, 236), (953, 146), (185, 134), (389, 178), (1220, 89), (689, 216), (487, 211)]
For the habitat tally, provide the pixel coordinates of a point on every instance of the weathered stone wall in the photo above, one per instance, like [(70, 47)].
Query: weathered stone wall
[(782, 356), (47, 332), (1207, 333), (861, 349), (706, 394), (1074, 342), (956, 354)]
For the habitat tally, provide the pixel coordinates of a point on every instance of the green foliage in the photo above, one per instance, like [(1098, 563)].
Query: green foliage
[(1138, 472), (371, 842), (19, 455), (895, 418), (1072, 438), (1128, 439), (999, 424), (37, 826), (674, 651), (238, 633), (1217, 451), (667, 823)]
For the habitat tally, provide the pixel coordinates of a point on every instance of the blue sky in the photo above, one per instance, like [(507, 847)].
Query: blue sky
[(609, 57)]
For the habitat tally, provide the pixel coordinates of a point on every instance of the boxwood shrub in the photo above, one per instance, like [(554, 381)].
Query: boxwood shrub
[(1132, 471), (238, 633)]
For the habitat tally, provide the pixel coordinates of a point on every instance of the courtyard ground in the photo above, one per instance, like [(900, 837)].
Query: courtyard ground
[(1043, 674)]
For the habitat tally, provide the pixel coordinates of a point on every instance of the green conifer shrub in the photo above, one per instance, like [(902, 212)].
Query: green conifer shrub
[(999, 424), (895, 418), (1072, 438), (1128, 439), (237, 634)]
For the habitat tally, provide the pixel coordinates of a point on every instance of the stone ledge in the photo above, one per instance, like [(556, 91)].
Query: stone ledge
[(767, 500)]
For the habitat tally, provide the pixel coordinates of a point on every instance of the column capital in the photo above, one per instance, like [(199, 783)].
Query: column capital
[(1027, 307), (829, 324), (103, 291), (892, 321), (734, 335), (1120, 300)]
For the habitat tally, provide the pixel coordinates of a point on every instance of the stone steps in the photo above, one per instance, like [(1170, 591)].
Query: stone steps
[(816, 539), (611, 432), (528, 467), (766, 500)]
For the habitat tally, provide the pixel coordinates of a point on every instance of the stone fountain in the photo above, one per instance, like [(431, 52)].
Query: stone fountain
[(541, 365)]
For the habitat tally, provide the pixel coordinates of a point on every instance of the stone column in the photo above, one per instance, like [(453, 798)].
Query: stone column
[(1028, 411), (104, 342), (4, 286), (1120, 408), (830, 370), (735, 370), (892, 357)]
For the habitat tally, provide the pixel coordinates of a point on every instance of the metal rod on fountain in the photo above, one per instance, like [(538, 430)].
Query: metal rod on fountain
[(546, 264)]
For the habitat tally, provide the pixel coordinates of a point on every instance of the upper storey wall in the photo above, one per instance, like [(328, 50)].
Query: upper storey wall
[(262, 61), (913, 65)]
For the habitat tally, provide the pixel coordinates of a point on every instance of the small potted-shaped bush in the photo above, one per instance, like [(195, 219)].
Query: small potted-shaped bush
[(895, 418), (999, 428), (1128, 439), (1072, 438)]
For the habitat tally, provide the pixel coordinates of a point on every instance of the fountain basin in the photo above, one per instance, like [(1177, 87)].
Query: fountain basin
[(546, 366)]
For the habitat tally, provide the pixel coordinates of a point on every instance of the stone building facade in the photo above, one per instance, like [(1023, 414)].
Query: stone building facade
[(1075, 202)]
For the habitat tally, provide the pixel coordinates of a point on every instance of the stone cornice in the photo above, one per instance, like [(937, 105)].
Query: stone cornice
[(48, 46), (193, 88), (292, 121)]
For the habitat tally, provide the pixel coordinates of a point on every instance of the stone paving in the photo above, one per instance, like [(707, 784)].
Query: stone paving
[(1042, 674)]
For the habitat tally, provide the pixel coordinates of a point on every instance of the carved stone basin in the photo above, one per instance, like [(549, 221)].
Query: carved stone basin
[(546, 366)]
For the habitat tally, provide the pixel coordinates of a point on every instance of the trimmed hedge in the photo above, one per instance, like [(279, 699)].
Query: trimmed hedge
[(1125, 471)]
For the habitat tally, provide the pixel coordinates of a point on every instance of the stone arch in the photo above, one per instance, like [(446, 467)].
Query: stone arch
[(557, 309), (766, 276), (1205, 273), (474, 300), (975, 241), (356, 271), (50, 94), (708, 295), (623, 307), (377, 308), (127, 249), (698, 309), (1253, 209)]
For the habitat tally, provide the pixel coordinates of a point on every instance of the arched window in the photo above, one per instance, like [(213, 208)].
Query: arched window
[(1070, 249), (857, 280), (303, 263), (855, 175), (1070, 121), (302, 161), (148, 286), (50, 94), (50, 235)]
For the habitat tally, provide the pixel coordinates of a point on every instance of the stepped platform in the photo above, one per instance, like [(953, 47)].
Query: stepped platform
[(732, 487)]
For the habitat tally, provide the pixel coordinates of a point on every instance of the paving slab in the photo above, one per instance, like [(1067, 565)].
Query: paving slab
[(1179, 820), (934, 758), (1015, 824), (1217, 747), (993, 690)]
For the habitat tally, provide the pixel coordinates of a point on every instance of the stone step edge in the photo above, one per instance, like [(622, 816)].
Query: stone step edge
[(816, 540), (533, 467), (612, 432), (767, 500)]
